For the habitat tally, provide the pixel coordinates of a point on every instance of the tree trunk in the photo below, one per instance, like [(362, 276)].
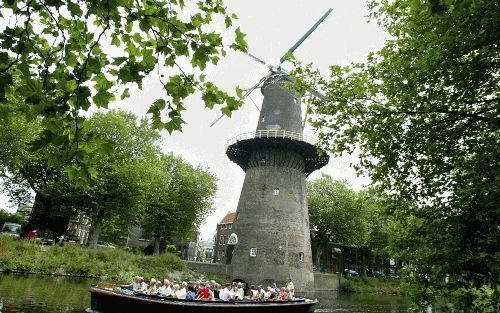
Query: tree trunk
[(318, 258), (156, 245), (94, 236), (363, 265)]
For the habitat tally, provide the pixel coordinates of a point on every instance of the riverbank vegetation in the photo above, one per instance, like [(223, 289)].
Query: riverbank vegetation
[(107, 264), (374, 285), (422, 114)]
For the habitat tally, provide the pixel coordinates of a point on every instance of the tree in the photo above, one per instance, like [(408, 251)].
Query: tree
[(423, 113), (177, 198), (335, 215), (63, 57), (115, 193)]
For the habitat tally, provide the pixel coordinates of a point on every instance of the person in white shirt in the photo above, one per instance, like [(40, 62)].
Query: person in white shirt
[(141, 286), (134, 285), (225, 293), (290, 286), (268, 293), (152, 287), (182, 292), (240, 292), (254, 293), (165, 290)]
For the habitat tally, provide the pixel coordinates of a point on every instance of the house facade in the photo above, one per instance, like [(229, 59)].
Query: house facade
[(224, 230)]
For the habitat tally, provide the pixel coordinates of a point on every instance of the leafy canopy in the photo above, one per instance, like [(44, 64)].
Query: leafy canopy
[(64, 57)]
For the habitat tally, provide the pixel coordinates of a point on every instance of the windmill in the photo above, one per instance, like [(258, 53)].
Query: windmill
[(279, 71), (271, 237)]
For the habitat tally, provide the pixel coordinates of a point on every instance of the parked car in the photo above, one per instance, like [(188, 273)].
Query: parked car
[(70, 239), (44, 238), (11, 229), (349, 272), (102, 244)]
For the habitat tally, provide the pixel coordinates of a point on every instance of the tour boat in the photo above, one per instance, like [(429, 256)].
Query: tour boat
[(108, 300)]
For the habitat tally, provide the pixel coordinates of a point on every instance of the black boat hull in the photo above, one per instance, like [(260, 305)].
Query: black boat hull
[(107, 301)]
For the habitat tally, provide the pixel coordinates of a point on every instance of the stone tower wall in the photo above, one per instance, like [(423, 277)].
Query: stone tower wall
[(272, 211)]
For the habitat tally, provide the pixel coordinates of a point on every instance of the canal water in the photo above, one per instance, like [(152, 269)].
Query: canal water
[(46, 294)]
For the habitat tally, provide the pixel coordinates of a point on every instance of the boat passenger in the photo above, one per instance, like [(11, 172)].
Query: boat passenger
[(205, 292), (289, 286), (254, 294), (165, 290), (217, 291), (152, 287), (290, 295), (142, 287), (197, 287), (190, 295), (240, 292), (225, 293), (262, 292), (183, 291), (268, 293), (282, 295), (134, 285), (175, 291), (271, 294)]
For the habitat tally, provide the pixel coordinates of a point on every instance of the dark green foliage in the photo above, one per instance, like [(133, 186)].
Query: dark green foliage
[(64, 57), (423, 114), (372, 285)]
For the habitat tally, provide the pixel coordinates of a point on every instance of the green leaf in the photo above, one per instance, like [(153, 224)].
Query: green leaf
[(114, 40), (239, 42), (74, 8), (102, 98), (125, 94)]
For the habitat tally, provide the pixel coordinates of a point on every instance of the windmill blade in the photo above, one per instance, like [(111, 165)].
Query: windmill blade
[(311, 90), (249, 91), (257, 59), (301, 40)]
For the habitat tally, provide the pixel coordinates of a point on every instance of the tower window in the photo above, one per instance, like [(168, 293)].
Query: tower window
[(295, 100), (253, 251), (276, 191), (301, 256)]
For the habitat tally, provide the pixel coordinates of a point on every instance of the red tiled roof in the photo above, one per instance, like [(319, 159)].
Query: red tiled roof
[(229, 218)]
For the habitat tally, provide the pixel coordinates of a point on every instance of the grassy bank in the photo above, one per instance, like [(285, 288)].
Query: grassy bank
[(372, 285), (108, 264)]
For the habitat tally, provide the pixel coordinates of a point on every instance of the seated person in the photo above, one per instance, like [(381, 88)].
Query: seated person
[(181, 294), (134, 285), (240, 292), (165, 290), (225, 293), (190, 295), (152, 287), (205, 292), (282, 295), (254, 293)]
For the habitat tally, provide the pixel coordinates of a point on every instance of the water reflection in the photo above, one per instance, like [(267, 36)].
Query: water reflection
[(43, 294), (46, 294), (330, 301)]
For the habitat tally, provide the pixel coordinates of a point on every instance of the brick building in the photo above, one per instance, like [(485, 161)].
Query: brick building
[(224, 230)]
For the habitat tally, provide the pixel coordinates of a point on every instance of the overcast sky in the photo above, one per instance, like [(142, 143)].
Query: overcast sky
[(272, 26)]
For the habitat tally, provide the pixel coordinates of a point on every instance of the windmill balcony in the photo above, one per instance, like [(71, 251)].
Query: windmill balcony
[(276, 148), (284, 134)]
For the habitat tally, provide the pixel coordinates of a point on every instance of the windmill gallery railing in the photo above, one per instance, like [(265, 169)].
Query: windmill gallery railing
[(271, 134)]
